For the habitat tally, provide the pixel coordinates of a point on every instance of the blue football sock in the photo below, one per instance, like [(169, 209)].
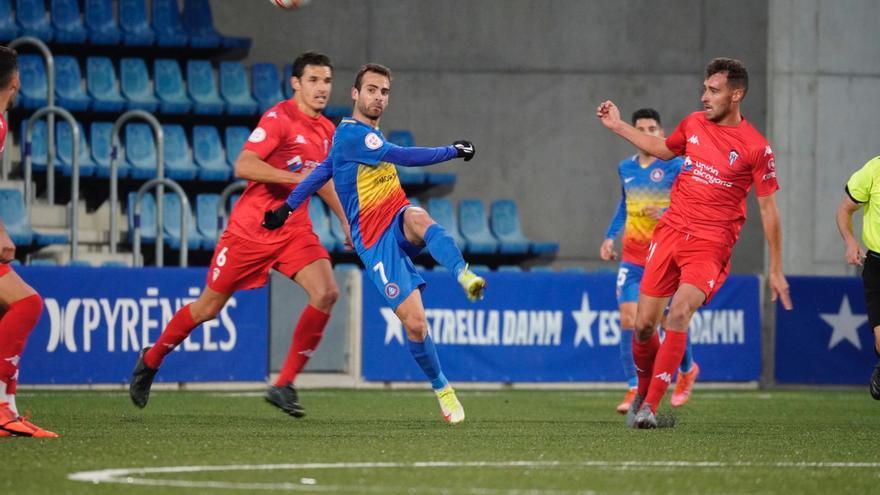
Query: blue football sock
[(442, 247), (626, 357), (426, 355), (687, 361)]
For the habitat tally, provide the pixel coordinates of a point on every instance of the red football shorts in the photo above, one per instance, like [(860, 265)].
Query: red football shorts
[(239, 263), (676, 258)]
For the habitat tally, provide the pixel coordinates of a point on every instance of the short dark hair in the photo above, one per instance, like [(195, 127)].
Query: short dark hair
[(645, 113), (8, 65), (737, 75), (309, 58), (377, 68)]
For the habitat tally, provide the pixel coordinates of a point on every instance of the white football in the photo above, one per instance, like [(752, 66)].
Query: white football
[(290, 4)]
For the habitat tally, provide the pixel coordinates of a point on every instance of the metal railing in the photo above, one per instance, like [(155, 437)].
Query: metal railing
[(73, 207), (185, 219), (50, 120), (225, 194), (115, 156)]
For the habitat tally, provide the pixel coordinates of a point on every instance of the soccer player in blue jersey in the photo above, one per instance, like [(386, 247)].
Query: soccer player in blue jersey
[(385, 229), (645, 185)]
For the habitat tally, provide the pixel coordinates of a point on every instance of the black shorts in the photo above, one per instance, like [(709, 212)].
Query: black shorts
[(871, 281)]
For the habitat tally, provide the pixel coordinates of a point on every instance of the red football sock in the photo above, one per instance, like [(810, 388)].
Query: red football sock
[(643, 357), (17, 323), (306, 337), (668, 359), (177, 331)]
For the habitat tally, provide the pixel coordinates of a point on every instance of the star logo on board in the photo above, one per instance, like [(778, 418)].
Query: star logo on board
[(844, 325), (584, 317), (393, 327)]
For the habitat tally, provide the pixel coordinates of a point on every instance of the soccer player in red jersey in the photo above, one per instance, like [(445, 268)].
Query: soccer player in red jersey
[(689, 255), (290, 140), (20, 305)]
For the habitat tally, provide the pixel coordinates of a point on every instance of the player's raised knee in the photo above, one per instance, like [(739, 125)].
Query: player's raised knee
[(416, 328)]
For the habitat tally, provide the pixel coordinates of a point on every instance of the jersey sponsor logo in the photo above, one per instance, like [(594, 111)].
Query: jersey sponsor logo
[(657, 174), (694, 139), (258, 135), (299, 139), (373, 141), (392, 290), (731, 157)]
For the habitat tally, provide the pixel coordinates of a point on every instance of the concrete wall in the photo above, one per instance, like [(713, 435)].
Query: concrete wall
[(824, 77), (522, 79)]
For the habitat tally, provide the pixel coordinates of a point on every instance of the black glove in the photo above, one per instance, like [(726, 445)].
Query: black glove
[(274, 219), (465, 149)]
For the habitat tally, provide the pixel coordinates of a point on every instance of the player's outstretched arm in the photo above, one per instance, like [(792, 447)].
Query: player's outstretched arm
[(773, 233), (7, 247), (249, 166), (274, 219), (416, 156), (609, 115), (854, 254)]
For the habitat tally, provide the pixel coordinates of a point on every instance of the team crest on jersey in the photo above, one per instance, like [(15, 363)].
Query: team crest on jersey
[(731, 158), (392, 290), (687, 165), (258, 136), (771, 164), (295, 164), (373, 141), (657, 174)]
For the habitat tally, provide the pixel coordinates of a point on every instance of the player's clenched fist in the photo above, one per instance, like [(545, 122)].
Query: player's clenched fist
[(274, 219), (609, 114), (465, 149)]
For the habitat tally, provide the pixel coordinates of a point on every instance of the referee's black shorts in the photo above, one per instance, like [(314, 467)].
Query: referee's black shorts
[(871, 281)]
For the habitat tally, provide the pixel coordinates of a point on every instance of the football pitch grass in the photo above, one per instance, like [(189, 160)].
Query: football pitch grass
[(395, 442)]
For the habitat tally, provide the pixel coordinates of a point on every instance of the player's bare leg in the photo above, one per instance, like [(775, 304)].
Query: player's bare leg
[(420, 229), (21, 309), (205, 308), (627, 321), (411, 313), (317, 280), (646, 343)]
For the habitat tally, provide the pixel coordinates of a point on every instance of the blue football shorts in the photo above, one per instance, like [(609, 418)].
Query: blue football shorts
[(389, 266), (629, 276)]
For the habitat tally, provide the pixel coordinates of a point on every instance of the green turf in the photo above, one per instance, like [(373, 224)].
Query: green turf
[(748, 433)]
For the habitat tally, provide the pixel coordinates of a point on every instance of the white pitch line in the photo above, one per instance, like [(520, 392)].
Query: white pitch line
[(125, 476)]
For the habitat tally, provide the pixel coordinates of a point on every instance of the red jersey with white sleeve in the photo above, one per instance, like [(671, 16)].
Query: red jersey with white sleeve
[(286, 139), (721, 163)]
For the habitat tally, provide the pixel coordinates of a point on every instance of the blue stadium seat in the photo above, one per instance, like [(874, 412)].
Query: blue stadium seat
[(136, 86), (321, 224), (544, 247), (202, 88), (236, 136), (199, 24), (68, 22), (140, 150), (103, 85), (480, 268), (285, 83), (42, 262), (33, 19), (114, 264), (235, 90), (172, 228), (148, 218), (178, 164), (64, 150), (574, 269), (69, 93), (15, 218), (133, 21), (266, 85), (170, 88), (407, 175), (34, 85), (541, 269), (167, 24), (99, 140), (346, 266), (443, 212), (475, 228), (504, 220), (101, 22), (80, 263), (208, 154), (510, 268), (8, 28), (337, 112), (39, 144), (206, 219)]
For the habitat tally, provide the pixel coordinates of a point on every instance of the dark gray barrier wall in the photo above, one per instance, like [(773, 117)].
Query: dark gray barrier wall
[(522, 79)]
